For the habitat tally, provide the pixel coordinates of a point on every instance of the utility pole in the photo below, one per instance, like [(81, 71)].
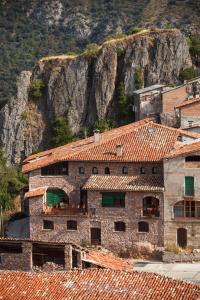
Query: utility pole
[(1, 221)]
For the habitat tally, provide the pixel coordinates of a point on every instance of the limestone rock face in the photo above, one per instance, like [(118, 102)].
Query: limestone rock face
[(84, 88)]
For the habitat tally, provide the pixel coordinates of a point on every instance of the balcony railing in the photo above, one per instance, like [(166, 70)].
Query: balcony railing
[(151, 212), (68, 209)]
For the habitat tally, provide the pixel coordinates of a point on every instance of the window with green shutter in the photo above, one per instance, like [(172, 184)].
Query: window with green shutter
[(55, 196), (189, 186), (113, 199)]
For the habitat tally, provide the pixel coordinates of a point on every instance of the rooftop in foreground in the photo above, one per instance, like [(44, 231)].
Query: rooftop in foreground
[(94, 284)]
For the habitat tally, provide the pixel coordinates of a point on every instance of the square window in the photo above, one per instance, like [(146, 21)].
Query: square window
[(120, 226), (48, 224), (72, 225)]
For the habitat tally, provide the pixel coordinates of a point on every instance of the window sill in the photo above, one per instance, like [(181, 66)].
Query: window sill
[(53, 176), (43, 229), (72, 230), (142, 232), (116, 231)]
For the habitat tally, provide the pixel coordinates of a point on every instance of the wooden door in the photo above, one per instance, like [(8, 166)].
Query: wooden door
[(182, 237), (95, 236)]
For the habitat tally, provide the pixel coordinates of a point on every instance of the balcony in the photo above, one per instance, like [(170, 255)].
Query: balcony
[(67, 209)]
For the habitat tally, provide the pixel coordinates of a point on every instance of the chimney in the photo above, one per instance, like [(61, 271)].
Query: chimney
[(96, 136), (119, 150)]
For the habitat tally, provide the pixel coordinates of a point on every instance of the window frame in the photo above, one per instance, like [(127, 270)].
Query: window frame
[(55, 169), (142, 170), (186, 188), (154, 205), (190, 209), (143, 223), (122, 226), (81, 172), (107, 171), (48, 222), (125, 170), (73, 228), (118, 202), (154, 170), (96, 172)]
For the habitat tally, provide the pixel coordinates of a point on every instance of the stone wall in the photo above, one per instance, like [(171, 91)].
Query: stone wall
[(175, 171), (170, 257), (103, 218), (190, 113)]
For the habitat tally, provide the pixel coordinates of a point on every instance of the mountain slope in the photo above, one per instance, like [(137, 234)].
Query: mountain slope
[(85, 88), (31, 29)]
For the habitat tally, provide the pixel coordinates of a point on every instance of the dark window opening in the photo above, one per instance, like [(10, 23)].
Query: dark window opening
[(143, 227), (56, 198), (94, 170), (60, 168), (81, 170), (48, 224), (154, 170), (72, 225), (113, 199), (120, 226), (142, 170), (74, 259), (10, 247), (151, 207), (107, 170), (192, 158), (189, 186), (182, 237), (124, 170), (44, 253)]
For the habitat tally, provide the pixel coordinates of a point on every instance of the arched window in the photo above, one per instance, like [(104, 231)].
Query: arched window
[(125, 170), (187, 209), (94, 170), (71, 225), (120, 226), (107, 170), (151, 207), (143, 227), (142, 170), (55, 197), (154, 170), (81, 170)]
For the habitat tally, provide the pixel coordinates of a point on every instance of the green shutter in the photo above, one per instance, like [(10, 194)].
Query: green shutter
[(107, 200), (53, 197), (189, 186)]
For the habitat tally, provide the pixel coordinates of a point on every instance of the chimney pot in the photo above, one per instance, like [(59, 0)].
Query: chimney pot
[(96, 136), (119, 150)]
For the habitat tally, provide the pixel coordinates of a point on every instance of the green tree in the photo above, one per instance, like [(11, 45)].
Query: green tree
[(134, 30), (102, 124), (11, 181), (61, 132), (36, 88), (188, 74)]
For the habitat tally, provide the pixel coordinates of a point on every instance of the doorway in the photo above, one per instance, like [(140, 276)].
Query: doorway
[(95, 236), (182, 237)]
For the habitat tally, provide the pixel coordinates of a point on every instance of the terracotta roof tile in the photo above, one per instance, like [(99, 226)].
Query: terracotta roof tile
[(188, 102), (107, 260), (184, 149), (36, 192), (94, 284), (125, 183), (142, 141)]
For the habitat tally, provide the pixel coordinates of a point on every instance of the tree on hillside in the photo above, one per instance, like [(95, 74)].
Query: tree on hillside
[(61, 132)]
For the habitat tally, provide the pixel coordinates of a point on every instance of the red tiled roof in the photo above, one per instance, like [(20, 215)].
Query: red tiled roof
[(125, 183), (142, 141), (35, 193), (188, 102), (106, 260), (184, 149), (94, 284)]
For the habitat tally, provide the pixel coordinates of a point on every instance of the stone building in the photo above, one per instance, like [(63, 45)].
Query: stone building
[(164, 103), (108, 189)]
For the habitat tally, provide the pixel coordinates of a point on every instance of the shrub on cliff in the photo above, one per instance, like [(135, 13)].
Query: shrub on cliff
[(61, 132), (134, 30), (36, 88), (138, 78), (91, 50), (116, 36), (188, 74)]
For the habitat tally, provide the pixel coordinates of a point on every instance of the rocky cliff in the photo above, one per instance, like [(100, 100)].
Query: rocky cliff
[(83, 88)]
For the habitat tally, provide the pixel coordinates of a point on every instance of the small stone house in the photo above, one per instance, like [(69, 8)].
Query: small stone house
[(189, 112), (110, 189)]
